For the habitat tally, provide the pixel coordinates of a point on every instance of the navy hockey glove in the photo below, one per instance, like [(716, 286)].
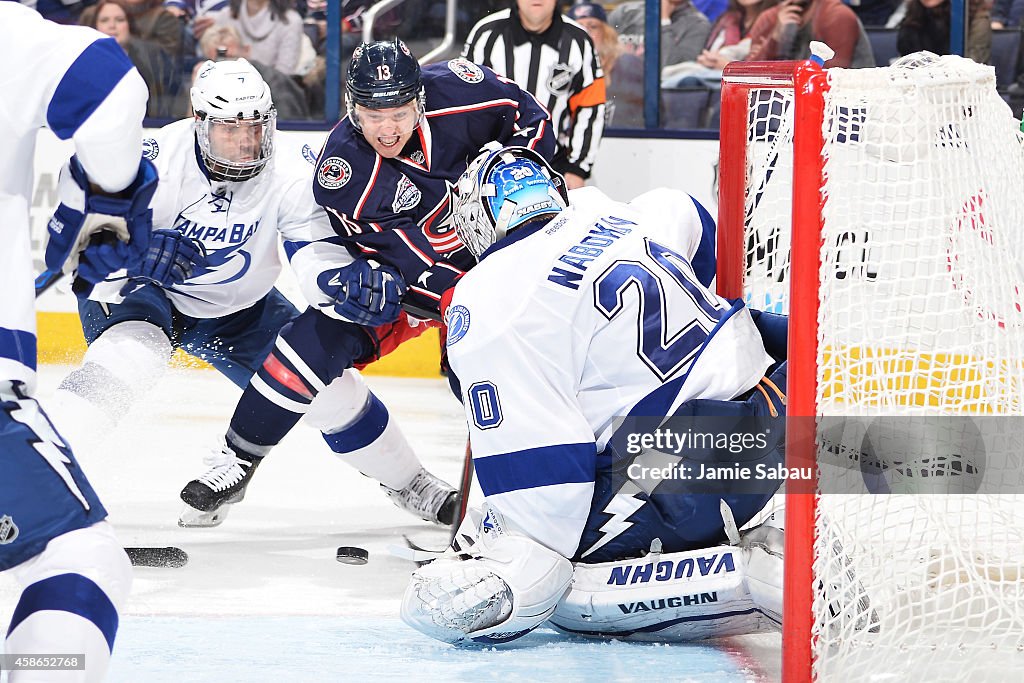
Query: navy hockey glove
[(364, 292), (170, 260), (78, 241)]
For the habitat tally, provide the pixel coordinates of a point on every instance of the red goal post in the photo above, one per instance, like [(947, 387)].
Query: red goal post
[(881, 209), (740, 82)]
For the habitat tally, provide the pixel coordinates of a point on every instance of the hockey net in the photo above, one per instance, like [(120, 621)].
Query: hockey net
[(901, 234)]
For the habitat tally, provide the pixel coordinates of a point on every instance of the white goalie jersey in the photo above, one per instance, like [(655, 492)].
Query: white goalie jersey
[(565, 328), (240, 224)]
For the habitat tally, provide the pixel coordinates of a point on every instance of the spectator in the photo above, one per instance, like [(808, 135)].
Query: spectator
[(156, 24), (728, 41), (59, 11), (926, 27), (712, 9), (874, 12), (592, 17), (1007, 13), (154, 65), (684, 30), (555, 60), (225, 42), (270, 27), (198, 14), (786, 31)]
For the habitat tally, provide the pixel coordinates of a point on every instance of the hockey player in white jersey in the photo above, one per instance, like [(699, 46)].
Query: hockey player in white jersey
[(582, 327), (75, 577), (230, 192)]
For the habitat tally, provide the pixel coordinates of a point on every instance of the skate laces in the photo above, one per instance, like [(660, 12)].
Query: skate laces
[(225, 468)]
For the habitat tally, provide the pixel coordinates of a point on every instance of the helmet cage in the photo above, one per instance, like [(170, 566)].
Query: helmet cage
[(220, 146), (502, 190)]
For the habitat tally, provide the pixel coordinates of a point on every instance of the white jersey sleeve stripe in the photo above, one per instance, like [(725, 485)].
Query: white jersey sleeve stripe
[(89, 80)]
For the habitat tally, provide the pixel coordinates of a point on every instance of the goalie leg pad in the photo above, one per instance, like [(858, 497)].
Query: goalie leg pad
[(763, 548), (508, 587), (662, 597)]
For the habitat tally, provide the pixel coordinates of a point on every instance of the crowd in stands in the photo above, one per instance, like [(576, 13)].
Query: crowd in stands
[(286, 39)]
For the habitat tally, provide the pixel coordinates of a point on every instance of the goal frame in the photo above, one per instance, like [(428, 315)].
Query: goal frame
[(809, 84)]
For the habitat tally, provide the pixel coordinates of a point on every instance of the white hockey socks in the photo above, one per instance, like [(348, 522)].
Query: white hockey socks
[(119, 368), (359, 429), (72, 594)]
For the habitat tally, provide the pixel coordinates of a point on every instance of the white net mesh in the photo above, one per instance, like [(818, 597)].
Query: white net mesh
[(921, 295)]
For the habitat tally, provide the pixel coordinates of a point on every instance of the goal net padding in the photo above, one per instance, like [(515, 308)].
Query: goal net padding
[(883, 210)]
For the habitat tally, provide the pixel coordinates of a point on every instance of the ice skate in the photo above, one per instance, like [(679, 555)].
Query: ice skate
[(427, 497), (208, 498)]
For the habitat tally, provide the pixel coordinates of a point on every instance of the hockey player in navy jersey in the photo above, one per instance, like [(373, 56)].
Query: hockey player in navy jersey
[(54, 537), (385, 177), (581, 326), (230, 192)]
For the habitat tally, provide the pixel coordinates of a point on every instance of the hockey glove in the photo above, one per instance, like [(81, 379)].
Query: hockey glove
[(76, 243), (364, 292), (170, 260)]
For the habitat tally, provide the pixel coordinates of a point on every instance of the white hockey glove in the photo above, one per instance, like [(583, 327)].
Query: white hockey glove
[(502, 588)]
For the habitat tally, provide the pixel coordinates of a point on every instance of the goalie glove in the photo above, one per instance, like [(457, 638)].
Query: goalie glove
[(500, 589), (93, 234), (364, 292)]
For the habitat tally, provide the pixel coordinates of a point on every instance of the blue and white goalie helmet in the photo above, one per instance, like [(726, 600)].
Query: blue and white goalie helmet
[(501, 190), (235, 119)]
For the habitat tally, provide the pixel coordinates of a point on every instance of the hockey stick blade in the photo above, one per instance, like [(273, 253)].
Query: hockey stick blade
[(169, 557), (414, 553)]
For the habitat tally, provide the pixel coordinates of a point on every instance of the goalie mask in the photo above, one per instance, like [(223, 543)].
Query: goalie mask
[(235, 119), (502, 190)]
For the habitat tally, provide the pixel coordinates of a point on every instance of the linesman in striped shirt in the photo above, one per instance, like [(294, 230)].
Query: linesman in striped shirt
[(552, 57)]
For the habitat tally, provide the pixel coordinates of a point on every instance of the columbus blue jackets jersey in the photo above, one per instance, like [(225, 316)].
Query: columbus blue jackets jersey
[(398, 210), (563, 328)]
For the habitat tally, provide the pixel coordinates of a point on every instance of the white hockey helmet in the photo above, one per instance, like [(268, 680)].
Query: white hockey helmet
[(502, 189), (235, 119)]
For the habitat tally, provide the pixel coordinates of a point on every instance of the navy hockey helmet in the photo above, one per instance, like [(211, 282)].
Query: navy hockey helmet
[(501, 190), (383, 75)]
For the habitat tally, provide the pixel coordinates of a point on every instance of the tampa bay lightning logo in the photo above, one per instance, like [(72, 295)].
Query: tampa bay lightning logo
[(458, 323), (150, 148), (217, 259), (308, 154)]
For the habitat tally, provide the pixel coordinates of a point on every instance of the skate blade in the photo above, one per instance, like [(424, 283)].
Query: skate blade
[(191, 518)]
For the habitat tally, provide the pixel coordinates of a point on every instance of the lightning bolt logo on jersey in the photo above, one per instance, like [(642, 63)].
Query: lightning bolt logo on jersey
[(239, 224)]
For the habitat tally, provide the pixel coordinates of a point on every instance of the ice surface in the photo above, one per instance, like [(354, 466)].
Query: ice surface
[(263, 599)]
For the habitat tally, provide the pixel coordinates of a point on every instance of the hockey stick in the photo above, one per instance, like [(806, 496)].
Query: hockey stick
[(46, 279), (421, 555), (169, 557)]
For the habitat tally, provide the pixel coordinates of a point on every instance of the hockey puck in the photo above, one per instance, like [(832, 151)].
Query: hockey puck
[(352, 555)]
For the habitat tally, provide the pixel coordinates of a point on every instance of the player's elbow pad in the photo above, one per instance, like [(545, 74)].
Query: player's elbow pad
[(509, 586)]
